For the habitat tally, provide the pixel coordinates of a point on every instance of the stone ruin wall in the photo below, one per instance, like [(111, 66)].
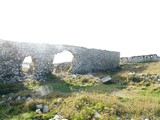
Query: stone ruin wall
[(142, 58), (92, 60), (12, 55)]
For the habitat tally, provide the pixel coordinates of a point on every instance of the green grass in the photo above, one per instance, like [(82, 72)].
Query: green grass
[(82, 97), (11, 88)]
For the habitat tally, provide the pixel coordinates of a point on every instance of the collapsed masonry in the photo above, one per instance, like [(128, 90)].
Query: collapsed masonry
[(142, 58), (85, 60)]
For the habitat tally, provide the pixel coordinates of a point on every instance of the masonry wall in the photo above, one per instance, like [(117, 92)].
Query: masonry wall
[(92, 60), (85, 60), (142, 58)]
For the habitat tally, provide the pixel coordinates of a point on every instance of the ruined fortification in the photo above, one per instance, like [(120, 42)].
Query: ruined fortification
[(142, 58), (85, 60)]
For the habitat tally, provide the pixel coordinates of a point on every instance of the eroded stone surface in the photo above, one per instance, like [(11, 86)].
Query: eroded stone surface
[(85, 60)]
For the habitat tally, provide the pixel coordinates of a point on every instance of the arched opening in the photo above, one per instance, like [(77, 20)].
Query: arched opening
[(27, 66), (62, 62)]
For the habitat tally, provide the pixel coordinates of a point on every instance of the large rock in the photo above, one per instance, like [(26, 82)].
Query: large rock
[(45, 109), (28, 99), (56, 117), (106, 79), (1, 102), (97, 115), (39, 106), (38, 111), (18, 98)]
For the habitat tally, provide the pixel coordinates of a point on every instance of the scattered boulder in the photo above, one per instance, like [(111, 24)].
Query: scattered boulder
[(1, 102), (42, 108), (24, 98), (97, 115), (56, 117), (3, 96), (106, 79), (39, 106), (146, 119), (118, 118), (60, 100), (156, 77), (43, 90), (28, 99), (45, 109), (132, 73), (10, 98), (18, 98), (38, 111), (74, 76), (147, 78)]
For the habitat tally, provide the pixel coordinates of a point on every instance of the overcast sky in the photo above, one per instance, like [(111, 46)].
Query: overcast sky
[(131, 27)]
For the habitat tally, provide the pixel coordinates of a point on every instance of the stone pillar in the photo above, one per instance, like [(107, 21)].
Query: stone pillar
[(10, 61), (43, 66)]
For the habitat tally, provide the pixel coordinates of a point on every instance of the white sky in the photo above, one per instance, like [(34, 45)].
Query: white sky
[(59, 58), (64, 56), (131, 27)]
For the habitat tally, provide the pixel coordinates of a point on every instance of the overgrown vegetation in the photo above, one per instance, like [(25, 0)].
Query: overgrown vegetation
[(134, 94)]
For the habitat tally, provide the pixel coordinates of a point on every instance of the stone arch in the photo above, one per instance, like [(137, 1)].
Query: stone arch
[(27, 65), (43, 65), (62, 61), (84, 60), (67, 54)]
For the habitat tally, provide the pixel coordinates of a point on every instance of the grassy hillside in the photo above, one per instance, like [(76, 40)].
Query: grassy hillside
[(133, 94)]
